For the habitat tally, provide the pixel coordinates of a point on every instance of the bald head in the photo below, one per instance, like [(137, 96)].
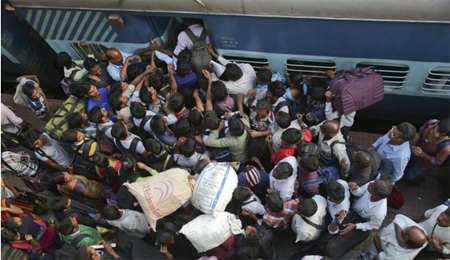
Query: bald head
[(114, 56), (415, 237), (330, 128)]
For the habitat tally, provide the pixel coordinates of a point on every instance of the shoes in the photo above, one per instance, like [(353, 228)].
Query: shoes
[(129, 247)]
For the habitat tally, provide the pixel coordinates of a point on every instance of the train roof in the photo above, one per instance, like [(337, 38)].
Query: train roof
[(436, 11)]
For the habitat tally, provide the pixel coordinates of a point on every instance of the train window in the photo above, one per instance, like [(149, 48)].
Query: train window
[(96, 48), (393, 75), (316, 68), (438, 81), (256, 62)]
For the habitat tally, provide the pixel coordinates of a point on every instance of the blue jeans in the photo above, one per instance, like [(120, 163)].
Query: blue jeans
[(414, 174)]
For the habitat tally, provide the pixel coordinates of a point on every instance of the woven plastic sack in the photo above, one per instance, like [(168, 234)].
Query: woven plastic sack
[(214, 188), (162, 194), (209, 231)]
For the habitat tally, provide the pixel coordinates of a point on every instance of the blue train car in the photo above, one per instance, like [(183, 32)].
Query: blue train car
[(407, 41)]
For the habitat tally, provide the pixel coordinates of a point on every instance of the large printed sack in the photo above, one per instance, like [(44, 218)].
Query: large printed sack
[(209, 231), (356, 89), (162, 194), (58, 124), (214, 188)]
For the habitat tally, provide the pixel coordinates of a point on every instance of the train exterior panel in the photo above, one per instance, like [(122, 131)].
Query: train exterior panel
[(409, 42)]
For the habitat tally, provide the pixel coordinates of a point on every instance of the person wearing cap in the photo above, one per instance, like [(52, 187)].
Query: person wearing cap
[(255, 179), (30, 94)]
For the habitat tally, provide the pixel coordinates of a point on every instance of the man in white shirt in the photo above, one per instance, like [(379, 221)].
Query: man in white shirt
[(371, 205), (128, 142), (402, 239), (118, 63), (308, 222), (283, 177), (338, 204), (329, 133), (436, 223), (132, 222)]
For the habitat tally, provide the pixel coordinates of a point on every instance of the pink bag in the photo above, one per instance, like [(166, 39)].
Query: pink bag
[(356, 89)]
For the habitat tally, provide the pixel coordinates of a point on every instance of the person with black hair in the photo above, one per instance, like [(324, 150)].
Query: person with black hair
[(108, 252), (278, 214), (284, 122), (223, 102), (100, 98), (73, 69), (308, 222), (99, 117), (131, 222), (315, 113), (81, 122), (69, 230), (436, 222), (180, 247), (298, 89), (338, 204), (255, 178), (158, 158), (261, 116), (177, 105), (80, 143), (240, 77), (430, 149), (29, 93), (289, 141), (274, 93), (394, 150), (409, 238), (63, 207), (98, 75), (248, 200), (283, 177), (185, 154), (53, 153), (160, 130), (25, 224), (308, 176), (263, 78), (142, 118), (185, 75), (85, 191), (124, 140), (255, 244)]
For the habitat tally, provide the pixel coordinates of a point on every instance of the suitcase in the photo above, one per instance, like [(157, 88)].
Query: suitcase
[(356, 89)]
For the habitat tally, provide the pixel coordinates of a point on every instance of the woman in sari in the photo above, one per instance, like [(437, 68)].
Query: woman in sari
[(81, 189)]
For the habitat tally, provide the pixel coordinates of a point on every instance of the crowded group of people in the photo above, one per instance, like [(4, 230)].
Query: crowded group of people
[(132, 116)]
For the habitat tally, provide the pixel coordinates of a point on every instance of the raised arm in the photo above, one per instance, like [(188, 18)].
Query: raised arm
[(173, 82), (209, 103), (123, 72)]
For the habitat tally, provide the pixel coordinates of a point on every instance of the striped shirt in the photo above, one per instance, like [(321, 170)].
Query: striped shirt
[(20, 162)]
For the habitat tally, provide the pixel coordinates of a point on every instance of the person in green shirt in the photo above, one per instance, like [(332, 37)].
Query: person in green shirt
[(69, 230)]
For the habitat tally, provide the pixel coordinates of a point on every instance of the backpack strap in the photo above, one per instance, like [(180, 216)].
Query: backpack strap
[(42, 153), (64, 120), (280, 105), (309, 222), (72, 74), (248, 202), (144, 122), (9, 167), (78, 239), (191, 35), (166, 162), (134, 144), (203, 35), (86, 148)]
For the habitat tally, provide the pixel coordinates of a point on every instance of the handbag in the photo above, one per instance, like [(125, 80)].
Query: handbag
[(396, 200)]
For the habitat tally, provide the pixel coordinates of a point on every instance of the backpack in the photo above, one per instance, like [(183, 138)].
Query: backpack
[(58, 124), (220, 154), (294, 109), (201, 57), (356, 89), (66, 81), (105, 145), (140, 131), (131, 151), (11, 253), (257, 147), (67, 251)]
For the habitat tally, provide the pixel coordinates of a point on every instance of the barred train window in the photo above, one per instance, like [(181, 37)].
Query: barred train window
[(315, 68), (394, 75), (437, 81), (256, 62)]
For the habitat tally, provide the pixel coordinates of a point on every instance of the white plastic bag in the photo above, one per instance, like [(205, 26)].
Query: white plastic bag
[(214, 188), (162, 194), (209, 231)]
